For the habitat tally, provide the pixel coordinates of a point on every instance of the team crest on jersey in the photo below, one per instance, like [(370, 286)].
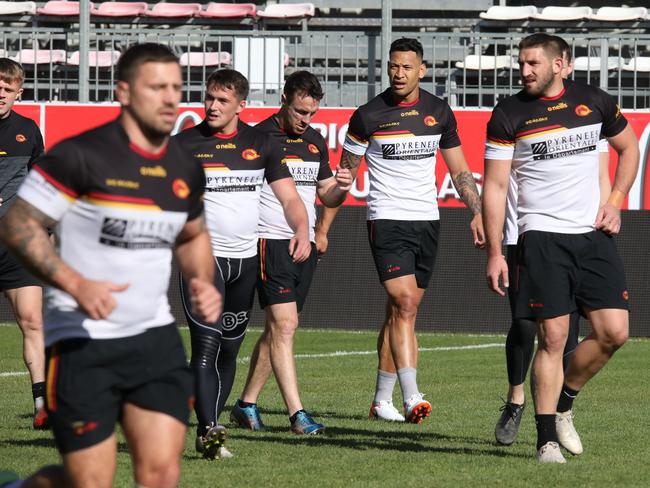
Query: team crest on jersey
[(430, 120), (312, 148), (250, 154), (180, 188), (583, 110), (20, 138)]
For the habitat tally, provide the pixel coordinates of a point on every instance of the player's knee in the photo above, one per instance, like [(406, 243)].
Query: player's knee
[(284, 329), (616, 338), (553, 342), (405, 307), (30, 321), (158, 474)]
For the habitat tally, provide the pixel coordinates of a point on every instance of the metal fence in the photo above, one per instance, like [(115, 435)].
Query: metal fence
[(347, 63)]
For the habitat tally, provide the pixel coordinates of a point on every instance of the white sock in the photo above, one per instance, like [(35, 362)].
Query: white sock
[(407, 382), (385, 385)]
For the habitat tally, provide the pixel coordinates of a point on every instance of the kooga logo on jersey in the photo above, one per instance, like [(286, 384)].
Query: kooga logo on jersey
[(137, 234)]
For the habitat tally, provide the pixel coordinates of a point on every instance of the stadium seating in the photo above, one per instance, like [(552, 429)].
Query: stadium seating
[(17, 8), (564, 14), (40, 56), (99, 59), (206, 59), (509, 13), (229, 10), (60, 8), (287, 11), (639, 64), (620, 14), (484, 62), (594, 63), (119, 9), (174, 10)]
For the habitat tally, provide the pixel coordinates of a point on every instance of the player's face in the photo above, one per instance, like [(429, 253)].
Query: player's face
[(9, 92), (405, 70), (298, 113), (538, 70), (222, 106), (153, 96)]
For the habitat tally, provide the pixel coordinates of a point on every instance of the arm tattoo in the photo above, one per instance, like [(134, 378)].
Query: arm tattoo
[(24, 232), (466, 188), (350, 161)]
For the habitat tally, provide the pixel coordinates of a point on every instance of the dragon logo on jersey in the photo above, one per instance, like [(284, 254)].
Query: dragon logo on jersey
[(583, 110), (20, 138), (180, 188), (430, 120), (312, 148), (250, 154)]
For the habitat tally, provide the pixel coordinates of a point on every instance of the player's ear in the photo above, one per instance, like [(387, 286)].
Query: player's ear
[(122, 93), (242, 106), (423, 70), (283, 99)]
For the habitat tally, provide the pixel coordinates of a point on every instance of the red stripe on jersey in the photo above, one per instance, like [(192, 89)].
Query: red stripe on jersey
[(219, 135), (539, 129), (501, 141), (146, 154), (409, 104), (559, 95), (120, 198), (52, 376), (214, 165), (59, 186)]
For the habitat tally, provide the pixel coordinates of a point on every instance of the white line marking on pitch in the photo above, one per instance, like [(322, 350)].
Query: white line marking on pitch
[(334, 354)]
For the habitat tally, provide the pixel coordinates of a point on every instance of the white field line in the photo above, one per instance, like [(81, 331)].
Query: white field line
[(334, 354)]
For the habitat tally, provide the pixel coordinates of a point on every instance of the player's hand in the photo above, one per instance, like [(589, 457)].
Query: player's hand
[(300, 247), (96, 297), (608, 219), (321, 244), (497, 267), (343, 178), (207, 302), (477, 231)]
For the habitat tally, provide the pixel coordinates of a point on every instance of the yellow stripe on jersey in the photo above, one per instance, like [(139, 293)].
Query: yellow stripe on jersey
[(114, 204), (500, 143), (356, 139), (391, 136), (541, 133)]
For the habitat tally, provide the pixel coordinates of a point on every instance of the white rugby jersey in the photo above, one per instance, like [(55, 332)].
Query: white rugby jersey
[(235, 167), (307, 159), (400, 142), (510, 230), (553, 144), (119, 210)]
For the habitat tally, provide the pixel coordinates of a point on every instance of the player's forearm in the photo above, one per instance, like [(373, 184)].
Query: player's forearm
[(326, 219), (24, 231), (333, 197), (628, 166), (296, 215), (603, 178), (194, 257), (494, 205), (468, 191), (350, 161)]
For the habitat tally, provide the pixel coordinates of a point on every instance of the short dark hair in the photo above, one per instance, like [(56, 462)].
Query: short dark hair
[(564, 48), (302, 82), (407, 44), (551, 45), (11, 71), (231, 79), (139, 54)]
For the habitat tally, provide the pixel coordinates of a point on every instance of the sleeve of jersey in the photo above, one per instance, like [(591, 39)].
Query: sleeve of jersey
[(356, 140), (38, 148), (449, 138), (613, 120), (196, 196), (500, 142), (275, 168), (55, 182), (324, 171)]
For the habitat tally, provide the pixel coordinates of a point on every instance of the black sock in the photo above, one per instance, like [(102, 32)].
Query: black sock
[(567, 395), (545, 429), (292, 419), (38, 389), (244, 404)]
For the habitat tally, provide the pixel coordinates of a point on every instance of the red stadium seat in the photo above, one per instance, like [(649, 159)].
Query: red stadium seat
[(174, 10), (288, 11), (229, 10), (17, 8), (40, 56), (100, 59), (60, 8), (120, 9), (206, 59)]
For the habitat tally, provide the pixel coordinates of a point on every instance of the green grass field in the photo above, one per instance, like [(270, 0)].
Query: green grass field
[(454, 447)]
